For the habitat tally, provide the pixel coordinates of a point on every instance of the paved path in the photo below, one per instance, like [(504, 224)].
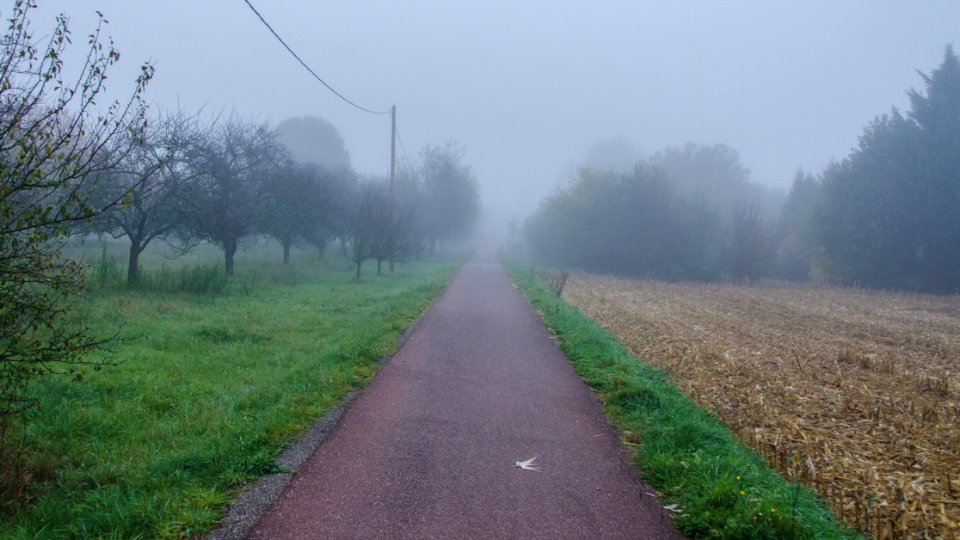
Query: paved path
[(428, 449)]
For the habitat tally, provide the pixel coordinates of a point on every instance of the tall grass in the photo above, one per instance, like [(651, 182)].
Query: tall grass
[(207, 390), (200, 271), (720, 487)]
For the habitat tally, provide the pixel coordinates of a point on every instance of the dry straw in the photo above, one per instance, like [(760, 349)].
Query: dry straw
[(850, 392)]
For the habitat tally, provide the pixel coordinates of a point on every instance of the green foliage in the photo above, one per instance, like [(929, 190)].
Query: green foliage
[(722, 488), (206, 395), (888, 216), (51, 146)]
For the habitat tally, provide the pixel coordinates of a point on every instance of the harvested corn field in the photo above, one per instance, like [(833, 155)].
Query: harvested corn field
[(853, 393)]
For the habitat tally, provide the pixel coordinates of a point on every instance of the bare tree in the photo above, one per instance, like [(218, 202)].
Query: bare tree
[(222, 203), (367, 223), (148, 180), (302, 202)]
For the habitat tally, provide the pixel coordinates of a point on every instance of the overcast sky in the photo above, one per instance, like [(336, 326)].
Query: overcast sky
[(529, 86)]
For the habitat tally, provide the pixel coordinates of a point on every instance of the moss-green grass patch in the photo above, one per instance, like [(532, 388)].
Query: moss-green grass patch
[(208, 390)]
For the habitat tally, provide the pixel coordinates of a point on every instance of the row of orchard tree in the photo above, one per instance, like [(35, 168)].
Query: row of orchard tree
[(68, 165), (188, 181), (887, 216)]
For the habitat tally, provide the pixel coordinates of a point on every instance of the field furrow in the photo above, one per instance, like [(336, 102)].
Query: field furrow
[(852, 392)]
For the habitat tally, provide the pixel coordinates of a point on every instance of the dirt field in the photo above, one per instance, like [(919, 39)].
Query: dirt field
[(854, 393)]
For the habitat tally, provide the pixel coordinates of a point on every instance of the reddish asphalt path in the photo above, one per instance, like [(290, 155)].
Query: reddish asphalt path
[(428, 449)]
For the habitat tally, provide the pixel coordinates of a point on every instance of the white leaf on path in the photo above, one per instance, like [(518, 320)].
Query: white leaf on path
[(527, 465)]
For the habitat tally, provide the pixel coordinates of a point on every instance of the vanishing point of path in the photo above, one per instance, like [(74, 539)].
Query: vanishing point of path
[(429, 448)]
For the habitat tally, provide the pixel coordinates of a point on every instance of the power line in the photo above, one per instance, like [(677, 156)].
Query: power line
[(304, 64)]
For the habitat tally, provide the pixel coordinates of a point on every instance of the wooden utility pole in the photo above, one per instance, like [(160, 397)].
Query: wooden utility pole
[(393, 171)]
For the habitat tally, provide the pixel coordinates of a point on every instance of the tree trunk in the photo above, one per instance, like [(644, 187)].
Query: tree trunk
[(358, 270), (286, 252), (229, 249), (132, 263), (379, 266), (391, 266)]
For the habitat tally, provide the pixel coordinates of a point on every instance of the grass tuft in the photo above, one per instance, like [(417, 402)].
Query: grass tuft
[(722, 488)]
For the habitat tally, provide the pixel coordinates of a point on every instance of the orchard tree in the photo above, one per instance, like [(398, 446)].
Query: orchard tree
[(222, 204), (367, 222), (53, 145), (148, 180), (301, 202)]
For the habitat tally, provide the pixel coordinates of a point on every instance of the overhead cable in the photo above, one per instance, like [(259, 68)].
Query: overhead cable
[(304, 64)]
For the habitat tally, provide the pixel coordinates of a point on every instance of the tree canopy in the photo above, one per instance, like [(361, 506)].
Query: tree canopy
[(888, 214), (54, 144)]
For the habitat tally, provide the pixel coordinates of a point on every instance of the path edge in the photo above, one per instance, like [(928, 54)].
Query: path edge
[(255, 499)]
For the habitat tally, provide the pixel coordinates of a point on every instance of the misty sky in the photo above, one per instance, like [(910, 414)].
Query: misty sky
[(528, 87)]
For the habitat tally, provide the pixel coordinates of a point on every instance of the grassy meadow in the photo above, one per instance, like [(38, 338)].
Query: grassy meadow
[(207, 387)]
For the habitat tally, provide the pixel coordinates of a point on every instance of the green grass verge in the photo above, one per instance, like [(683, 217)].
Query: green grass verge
[(721, 487), (206, 394)]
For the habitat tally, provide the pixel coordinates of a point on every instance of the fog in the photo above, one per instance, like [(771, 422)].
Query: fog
[(529, 88)]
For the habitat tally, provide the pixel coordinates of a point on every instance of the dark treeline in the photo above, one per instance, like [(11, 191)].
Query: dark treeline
[(887, 216), (186, 181)]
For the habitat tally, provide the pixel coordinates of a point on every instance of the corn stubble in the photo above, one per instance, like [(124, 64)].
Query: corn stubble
[(853, 393)]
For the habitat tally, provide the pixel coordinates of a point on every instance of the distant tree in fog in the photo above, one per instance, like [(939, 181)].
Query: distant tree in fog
[(796, 244), (367, 222), (311, 139), (632, 224), (301, 203), (611, 154), (452, 198), (749, 244), (716, 172), (888, 215)]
